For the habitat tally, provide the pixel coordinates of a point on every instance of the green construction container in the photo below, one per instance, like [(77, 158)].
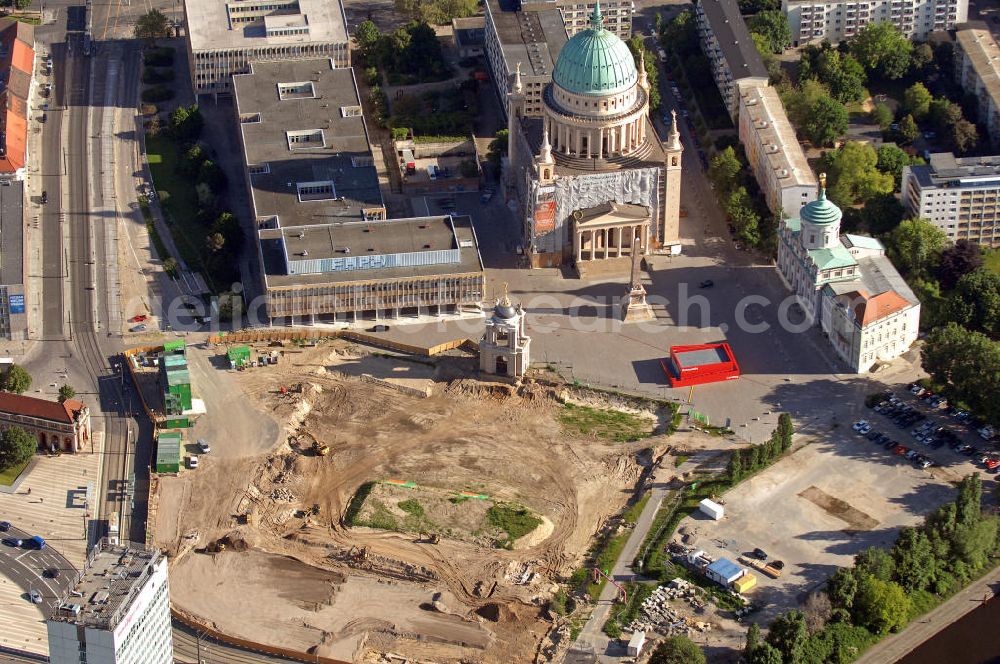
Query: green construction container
[(238, 356), (174, 361), (168, 452), (177, 423), (176, 346)]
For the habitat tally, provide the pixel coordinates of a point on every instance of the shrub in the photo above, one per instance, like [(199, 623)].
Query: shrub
[(159, 57), (157, 93)]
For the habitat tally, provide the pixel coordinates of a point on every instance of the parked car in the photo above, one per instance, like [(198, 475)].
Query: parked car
[(192, 461), (45, 197), (708, 283), (137, 328), (379, 328), (203, 446), (857, 425), (51, 573), (4, 526), (141, 318), (14, 542), (35, 597), (865, 429), (759, 554)]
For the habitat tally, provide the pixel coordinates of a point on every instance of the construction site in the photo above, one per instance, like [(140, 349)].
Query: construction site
[(409, 508)]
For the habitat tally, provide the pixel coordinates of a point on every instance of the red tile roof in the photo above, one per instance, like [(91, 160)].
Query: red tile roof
[(871, 308), (16, 404), (16, 69)]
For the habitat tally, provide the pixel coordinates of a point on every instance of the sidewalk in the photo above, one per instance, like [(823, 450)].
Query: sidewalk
[(891, 649)]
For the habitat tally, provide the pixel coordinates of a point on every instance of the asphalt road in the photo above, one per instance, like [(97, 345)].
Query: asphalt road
[(24, 567)]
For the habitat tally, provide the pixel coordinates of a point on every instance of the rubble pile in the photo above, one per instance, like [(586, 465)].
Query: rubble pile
[(657, 615)]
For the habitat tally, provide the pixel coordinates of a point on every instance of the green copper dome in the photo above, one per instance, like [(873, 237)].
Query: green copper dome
[(822, 211), (595, 62)]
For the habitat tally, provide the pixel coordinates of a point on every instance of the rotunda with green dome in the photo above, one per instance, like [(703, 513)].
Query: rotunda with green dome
[(597, 104), (820, 220)]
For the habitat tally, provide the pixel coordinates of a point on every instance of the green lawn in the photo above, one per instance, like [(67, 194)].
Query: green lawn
[(9, 475), (604, 423), (991, 260)]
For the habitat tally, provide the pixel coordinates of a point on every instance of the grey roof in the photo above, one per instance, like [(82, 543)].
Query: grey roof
[(533, 38), (12, 233), (701, 357), (113, 576), (344, 158), (209, 27), (878, 275), (371, 238), (734, 38), (947, 170), (469, 31)]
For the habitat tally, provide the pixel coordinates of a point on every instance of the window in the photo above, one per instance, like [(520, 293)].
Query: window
[(350, 111), (249, 118), (259, 169), (303, 139), (299, 90), (322, 190)]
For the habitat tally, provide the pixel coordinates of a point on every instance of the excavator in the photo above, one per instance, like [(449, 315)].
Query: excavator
[(317, 448), (429, 538)]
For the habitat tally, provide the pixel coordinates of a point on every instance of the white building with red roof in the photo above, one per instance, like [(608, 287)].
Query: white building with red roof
[(848, 285), (63, 427)]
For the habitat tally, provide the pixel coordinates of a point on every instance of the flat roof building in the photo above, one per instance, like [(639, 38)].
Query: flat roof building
[(118, 611), (773, 151), (225, 36), (726, 42), (959, 195), (13, 308), (813, 21), (326, 250), (977, 70)]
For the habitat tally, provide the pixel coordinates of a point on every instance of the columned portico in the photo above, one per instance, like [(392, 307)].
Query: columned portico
[(610, 230)]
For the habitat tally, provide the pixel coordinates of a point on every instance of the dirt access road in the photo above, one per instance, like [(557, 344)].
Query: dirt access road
[(448, 602)]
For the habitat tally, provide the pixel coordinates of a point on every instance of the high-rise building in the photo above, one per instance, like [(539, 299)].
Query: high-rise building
[(223, 37), (961, 196), (774, 153), (726, 42), (118, 612), (977, 70), (812, 21)]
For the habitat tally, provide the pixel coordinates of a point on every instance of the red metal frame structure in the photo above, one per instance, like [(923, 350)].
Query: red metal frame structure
[(700, 364), (599, 573)]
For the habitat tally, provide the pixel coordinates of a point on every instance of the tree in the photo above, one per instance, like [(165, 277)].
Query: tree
[(498, 146), (880, 606), (744, 218), (215, 242), (882, 115), (725, 171), (917, 100), (967, 363), (16, 379), (875, 561), (892, 159), (957, 261), (826, 123), (968, 503), (367, 36), (915, 246), (765, 653), (753, 641), (908, 130), (186, 123), (788, 635), (817, 610), (975, 302), (882, 213), (170, 265), (882, 50), (16, 447), (843, 74), (785, 431), (66, 392), (735, 467), (408, 8), (943, 113), (151, 26), (921, 57), (681, 34), (964, 136), (229, 227), (916, 564), (638, 48), (854, 174), (773, 26), (842, 587), (677, 650)]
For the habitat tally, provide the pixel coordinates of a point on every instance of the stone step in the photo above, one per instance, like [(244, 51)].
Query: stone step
[(608, 163)]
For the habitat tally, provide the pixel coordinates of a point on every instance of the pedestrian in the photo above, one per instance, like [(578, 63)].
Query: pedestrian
[(41, 500), (29, 490)]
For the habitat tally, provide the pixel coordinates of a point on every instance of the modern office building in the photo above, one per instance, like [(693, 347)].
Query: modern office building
[(327, 251), (847, 285), (726, 42), (813, 21), (592, 179), (532, 33), (118, 611), (977, 70), (468, 35), (17, 66), (773, 152), (959, 195), (225, 36)]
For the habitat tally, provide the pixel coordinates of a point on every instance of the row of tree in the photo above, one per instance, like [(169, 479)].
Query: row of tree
[(748, 460), (752, 222), (638, 46), (885, 587)]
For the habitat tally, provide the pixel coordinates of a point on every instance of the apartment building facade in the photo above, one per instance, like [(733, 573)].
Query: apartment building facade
[(961, 196), (977, 70), (726, 42), (224, 37), (774, 153), (813, 21)]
